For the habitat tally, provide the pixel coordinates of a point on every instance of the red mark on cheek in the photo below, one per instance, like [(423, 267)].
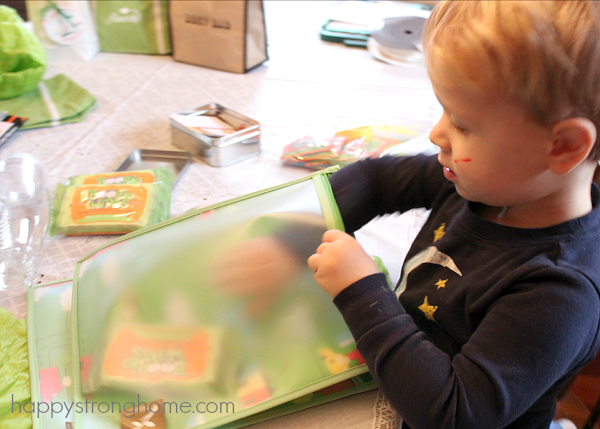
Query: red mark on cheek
[(463, 160)]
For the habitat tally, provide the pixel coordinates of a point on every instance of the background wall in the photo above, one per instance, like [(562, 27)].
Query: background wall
[(19, 5)]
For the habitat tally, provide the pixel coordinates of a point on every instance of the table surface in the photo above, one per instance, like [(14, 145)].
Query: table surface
[(306, 85)]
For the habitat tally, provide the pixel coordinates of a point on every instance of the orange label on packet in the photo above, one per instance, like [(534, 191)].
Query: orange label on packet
[(108, 203), (137, 358), (120, 178)]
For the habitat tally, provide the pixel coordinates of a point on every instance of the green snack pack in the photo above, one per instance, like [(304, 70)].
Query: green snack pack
[(167, 359), (111, 203)]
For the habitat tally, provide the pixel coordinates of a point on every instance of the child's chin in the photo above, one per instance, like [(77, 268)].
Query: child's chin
[(467, 195)]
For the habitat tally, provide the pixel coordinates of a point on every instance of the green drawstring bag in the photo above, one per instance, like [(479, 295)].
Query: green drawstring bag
[(134, 27), (22, 57)]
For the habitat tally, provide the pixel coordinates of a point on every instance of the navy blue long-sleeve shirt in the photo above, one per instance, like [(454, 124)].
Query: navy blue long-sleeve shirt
[(488, 322)]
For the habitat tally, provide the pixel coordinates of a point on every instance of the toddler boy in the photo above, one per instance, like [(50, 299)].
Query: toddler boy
[(498, 304)]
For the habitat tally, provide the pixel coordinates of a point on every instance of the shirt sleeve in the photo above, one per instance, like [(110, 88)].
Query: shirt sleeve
[(372, 187), (532, 340)]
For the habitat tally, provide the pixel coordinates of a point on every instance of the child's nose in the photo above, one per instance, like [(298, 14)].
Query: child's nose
[(439, 137)]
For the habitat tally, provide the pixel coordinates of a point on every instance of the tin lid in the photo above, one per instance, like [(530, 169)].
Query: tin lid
[(145, 159)]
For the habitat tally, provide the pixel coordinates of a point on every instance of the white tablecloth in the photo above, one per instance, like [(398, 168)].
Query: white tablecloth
[(306, 85)]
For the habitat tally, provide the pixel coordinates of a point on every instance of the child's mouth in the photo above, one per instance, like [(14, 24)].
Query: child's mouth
[(449, 174)]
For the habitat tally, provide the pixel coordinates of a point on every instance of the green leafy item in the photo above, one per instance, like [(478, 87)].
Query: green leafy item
[(22, 57), (14, 373)]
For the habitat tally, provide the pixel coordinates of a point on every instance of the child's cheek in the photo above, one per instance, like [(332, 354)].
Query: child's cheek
[(462, 165)]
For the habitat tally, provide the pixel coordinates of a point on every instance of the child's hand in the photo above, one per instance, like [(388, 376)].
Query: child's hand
[(258, 269), (340, 261)]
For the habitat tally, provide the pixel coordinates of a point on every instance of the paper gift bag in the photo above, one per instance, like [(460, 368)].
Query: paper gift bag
[(65, 28), (133, 26), (223, 35)]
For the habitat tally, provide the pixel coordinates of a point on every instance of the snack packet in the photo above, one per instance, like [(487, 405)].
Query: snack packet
[(111, 203), (346, 146), (162, 358)]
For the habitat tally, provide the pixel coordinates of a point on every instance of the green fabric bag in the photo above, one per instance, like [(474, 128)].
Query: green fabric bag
[(135, 27), (22, 57)]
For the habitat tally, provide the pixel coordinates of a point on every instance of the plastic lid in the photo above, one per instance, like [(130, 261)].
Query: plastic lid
[(402, 32)]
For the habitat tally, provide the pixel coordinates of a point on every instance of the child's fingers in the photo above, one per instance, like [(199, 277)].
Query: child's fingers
[(329, 237), (333, 235), (314, 261), (321, 249)]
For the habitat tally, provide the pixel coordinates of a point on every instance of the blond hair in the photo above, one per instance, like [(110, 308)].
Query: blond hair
[(545, 55)]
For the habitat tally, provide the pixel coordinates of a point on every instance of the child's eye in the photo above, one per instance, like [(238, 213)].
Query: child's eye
[(457, 128)]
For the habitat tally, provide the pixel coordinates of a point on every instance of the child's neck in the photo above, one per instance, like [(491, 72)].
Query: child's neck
[(541, 214), (567, 198)]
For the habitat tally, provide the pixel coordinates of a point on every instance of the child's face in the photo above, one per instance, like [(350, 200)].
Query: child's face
[(489, 148)]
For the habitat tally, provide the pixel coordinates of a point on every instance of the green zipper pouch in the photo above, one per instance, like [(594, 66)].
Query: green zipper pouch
[(212, 317), (51, 404), (49, 346)]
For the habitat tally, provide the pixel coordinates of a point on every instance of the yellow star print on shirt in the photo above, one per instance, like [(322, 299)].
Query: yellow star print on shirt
[(441, 283), (439, 233), (428, 310), (430, 255)]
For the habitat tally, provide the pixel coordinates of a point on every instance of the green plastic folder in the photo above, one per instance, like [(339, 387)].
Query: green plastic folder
[(49, 340), (163, 335)]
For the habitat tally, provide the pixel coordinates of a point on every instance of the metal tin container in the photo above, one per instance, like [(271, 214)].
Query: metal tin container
[(218, 151), (143, 159)]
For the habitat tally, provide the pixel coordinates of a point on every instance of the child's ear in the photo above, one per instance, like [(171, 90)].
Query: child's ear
[(573, 139)]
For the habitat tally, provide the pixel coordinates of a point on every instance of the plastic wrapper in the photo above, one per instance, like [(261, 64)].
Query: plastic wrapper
[(343, 147), (111, 203)]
